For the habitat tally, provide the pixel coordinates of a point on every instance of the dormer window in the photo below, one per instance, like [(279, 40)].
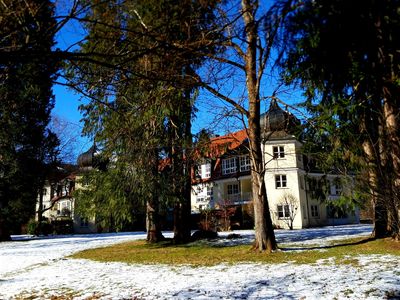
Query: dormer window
[(244, 163), (278, 152), (203, 171), (206, 170), (229, 166)]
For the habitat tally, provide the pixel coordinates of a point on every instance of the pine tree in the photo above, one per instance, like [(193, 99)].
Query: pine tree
[(25, 91), (140, 110), (346, 57)]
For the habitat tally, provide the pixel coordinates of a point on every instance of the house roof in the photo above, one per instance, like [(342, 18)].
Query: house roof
[(218, 146)]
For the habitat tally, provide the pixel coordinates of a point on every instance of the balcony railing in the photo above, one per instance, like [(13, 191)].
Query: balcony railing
[(239, 198)]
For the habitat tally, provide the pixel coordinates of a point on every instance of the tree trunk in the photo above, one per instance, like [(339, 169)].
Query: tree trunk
[(375, 184), (377, 152), (181, 161), (4, 228), (40, 209), (181, 223), (387, 68), (391, 113), (153, 225), (4, 231), (264, 232)]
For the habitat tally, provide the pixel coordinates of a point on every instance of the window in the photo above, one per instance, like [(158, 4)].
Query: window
[(64, 208), (280, 181), (204, 170), (233, 189), (204, 193), (244, 163), (314, 211), (210, 195), (278, 151), (209, 191), (283, 211), (229, 166), (207, 170), (337, 189)]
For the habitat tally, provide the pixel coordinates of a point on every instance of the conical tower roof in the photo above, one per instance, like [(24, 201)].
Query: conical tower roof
[(86, 160), (277, 122)]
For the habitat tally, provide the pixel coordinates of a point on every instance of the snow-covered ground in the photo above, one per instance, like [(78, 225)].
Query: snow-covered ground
[(39, 267)]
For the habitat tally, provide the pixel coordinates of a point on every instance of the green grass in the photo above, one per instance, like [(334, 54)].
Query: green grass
[(202, 254)]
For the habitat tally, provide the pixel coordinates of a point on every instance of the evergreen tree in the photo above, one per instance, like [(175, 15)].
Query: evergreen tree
[(345, 54), (173, 38), (27, 99), (140, 110)]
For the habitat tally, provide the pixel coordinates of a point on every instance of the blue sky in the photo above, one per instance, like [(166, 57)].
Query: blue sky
[(208, 116)]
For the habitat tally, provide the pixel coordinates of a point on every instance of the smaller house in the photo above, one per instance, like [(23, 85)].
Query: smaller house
[(58, 203)]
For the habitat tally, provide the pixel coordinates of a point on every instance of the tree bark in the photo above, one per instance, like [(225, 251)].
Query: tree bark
[(264, 233), (181, 223), (181, 161), (377, 152), (371, 147), (4, 231), (391, 113), (153, 225), (40, 209)]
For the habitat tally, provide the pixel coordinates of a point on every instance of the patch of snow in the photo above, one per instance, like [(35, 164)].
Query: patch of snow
[(38, 267)]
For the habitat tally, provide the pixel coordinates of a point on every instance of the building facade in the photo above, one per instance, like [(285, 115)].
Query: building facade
[(58, 204), (298, 196)]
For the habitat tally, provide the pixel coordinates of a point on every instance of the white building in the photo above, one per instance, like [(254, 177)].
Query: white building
[(298, 195), (58, 206)]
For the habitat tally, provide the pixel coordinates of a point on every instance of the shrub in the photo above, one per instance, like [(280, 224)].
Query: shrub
[(32, 226)]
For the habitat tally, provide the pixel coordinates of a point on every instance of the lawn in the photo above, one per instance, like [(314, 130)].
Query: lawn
[(204, 253), (333, 262)]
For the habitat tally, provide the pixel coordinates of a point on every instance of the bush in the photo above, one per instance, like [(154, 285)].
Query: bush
[(34, 228), (203, 235), (63, 226), (47, 228)]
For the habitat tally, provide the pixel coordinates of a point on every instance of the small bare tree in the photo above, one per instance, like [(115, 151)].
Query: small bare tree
[(226, 211), (290, 205)]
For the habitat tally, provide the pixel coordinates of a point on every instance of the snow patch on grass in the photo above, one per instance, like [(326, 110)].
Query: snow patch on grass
[(38, 268)]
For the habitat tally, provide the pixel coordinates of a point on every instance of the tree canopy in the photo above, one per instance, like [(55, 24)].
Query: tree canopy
[(27, 99), (345, 55)]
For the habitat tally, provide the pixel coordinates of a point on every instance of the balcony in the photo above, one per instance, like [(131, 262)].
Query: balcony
[(238, 199)]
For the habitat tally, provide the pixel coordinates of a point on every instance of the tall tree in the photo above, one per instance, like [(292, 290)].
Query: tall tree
[(346, 57), (249, 32), (26, 97), (235, 39), (140, 87)]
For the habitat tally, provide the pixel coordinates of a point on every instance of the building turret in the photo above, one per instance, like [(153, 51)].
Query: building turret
[(278, 123), (87, 160)]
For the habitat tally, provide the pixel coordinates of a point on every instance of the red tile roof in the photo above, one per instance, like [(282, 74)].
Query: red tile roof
[(220, 145)]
